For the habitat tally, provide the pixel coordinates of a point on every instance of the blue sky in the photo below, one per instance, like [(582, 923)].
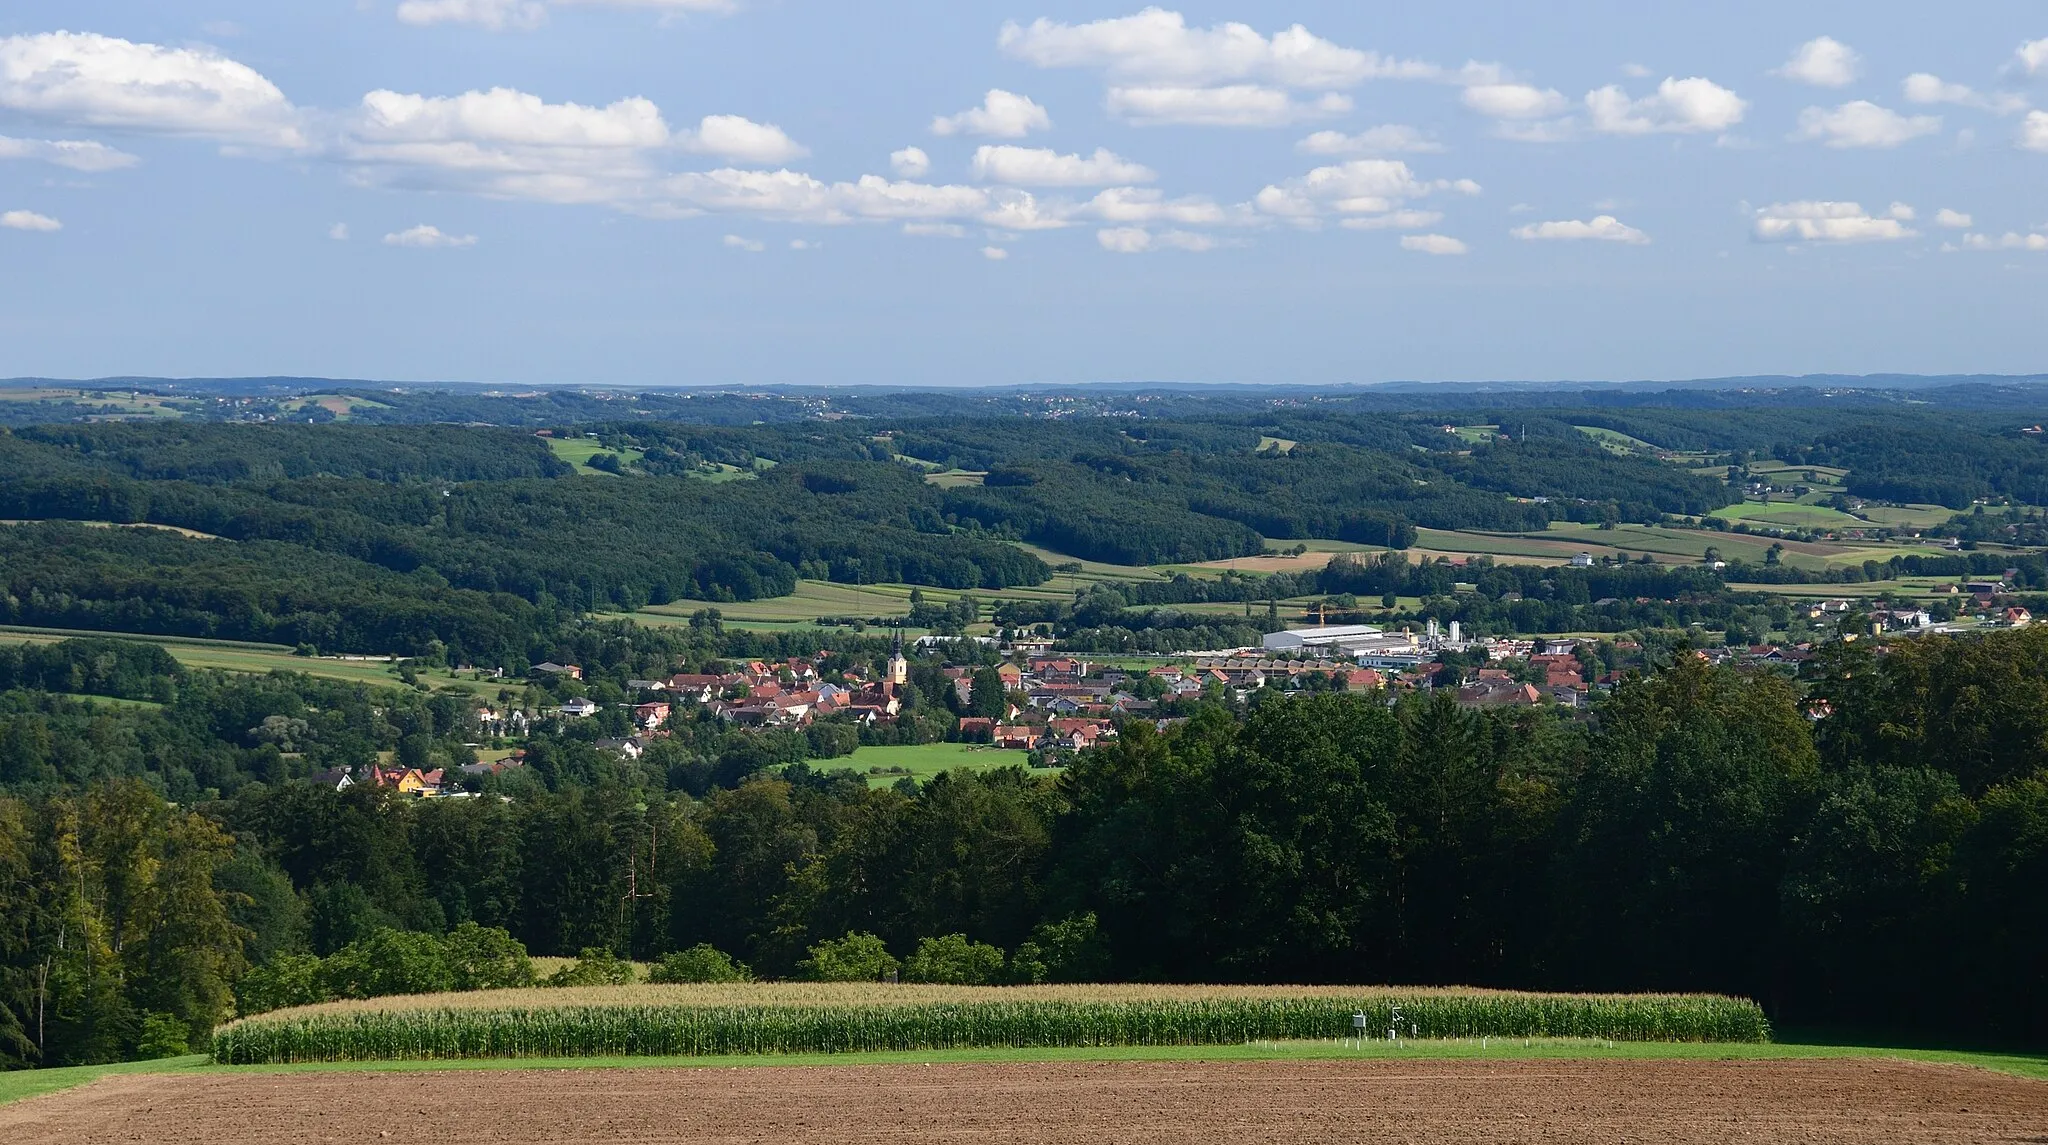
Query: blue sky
[(692, 192)]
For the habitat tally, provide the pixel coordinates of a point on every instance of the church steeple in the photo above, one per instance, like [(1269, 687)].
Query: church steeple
[(899, 668)]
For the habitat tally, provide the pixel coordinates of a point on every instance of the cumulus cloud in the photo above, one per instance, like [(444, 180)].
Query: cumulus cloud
[(910, 163), (29, 221), (1514, 101), (1360, 187), (1390, 139), (1823, 62), (752, 246), (1158, 46), (1044, 167), (1601, 228), (1002, 115), (994, 253), (2034, 131), (2033, 56), (427, 237), (1433, 244), (935, 230), (100, 81), (1408, 220), (1955, 220), (741, 140), (1234, 105), (2008, 241), (1861, 123), (1922, 87), (1138, 240), (338, 232), (1679, 106), (1143, 205), (77, 154), (1810, 221), (493, 14), (507, 143), (793, 196)]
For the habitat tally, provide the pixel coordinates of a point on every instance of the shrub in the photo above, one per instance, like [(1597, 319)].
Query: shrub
[(1072, 950), (163, 1036), (486, 958), (954, 961), (700, 963), (388, 962), (595, 966), (855, 958), (285, 980)]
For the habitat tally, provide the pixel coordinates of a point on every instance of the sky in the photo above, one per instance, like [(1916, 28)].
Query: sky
[(954, 192)]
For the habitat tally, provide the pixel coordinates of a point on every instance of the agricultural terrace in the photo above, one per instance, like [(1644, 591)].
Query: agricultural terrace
[(634, 1021)]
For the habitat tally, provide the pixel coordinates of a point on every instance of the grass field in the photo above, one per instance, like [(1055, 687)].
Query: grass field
[(1280, 443), (193, 533), (922, 761), (228, 656), (1787, 515), (578, 451), (1615, 441)]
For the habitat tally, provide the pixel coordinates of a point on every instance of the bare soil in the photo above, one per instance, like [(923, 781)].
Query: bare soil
[(1134, 1102)]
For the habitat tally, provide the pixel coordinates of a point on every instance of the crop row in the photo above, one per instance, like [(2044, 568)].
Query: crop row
[(636, 1031)]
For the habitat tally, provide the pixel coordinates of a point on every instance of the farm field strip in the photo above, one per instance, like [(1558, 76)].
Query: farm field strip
[(228, 656)]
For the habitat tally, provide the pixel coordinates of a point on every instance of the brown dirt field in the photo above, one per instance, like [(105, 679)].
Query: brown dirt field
[(1150, 1102)]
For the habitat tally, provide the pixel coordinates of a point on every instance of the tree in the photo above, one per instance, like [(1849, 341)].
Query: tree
[(854, 958), (987, 697), (700, 963), (1070, 950), (954, 961), (486, 958)]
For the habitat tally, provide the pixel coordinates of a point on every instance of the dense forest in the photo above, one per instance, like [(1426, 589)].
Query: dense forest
[(1701, 831)]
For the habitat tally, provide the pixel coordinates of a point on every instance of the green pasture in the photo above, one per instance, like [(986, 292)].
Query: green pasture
[(922, 761), (229, 656), (1909, 516), (956, 478), (1789, 515), (1280, 443), (1615, 441), (578, 451)]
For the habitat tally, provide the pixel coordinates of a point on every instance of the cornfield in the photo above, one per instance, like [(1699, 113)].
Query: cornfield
[(812, 1022)]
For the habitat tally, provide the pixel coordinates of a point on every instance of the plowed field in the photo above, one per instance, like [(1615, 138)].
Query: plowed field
[(1129, 1102)]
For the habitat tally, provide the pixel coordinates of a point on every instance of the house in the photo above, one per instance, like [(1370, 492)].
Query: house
[(333, 779), (629, 748), (578, 709), (650, 715), (977, 729), (1583, 561), (407, 780), (647, 685), (1495, 694), (695, 689), (2018, 617), (1020, 737), (550, 668)]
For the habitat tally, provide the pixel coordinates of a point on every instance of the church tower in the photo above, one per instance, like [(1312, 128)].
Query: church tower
[(899, 668)]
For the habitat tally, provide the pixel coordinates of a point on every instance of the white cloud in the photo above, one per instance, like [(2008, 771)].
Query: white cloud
[(1145, 205), (100, 81), (1636, 71), (796, 197), (493, 14), (29, 221), (1514, 101), (1360, 187), (1602, 228), (425, 236), (77, 154), (338, 232), (1810, 221), (752, 246), (1680, 105), (741, 140), (1921, 87), (2033, 56), (1157, 46), (2008, 241), (935, 230), (1391, 139), (508, 144), (665, 6), (2034, 131), (1002, 115), (1409, 220), (994, 253), (1236, 105), (910, 163), (1955, 220), (1138, 240), (1433, 244), (1861, 123), (1044, 167), (1823, 62)]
